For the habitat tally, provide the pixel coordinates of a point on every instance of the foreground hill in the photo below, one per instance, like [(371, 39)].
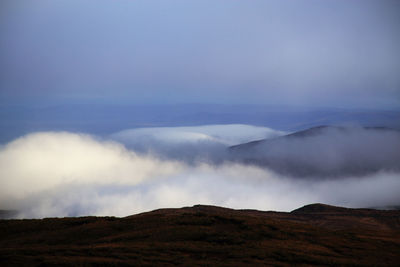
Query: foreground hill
[(206, 235), (325, 151)]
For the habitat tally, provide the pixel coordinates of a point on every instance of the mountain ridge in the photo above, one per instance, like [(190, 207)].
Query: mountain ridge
[(312, 131), (324, 151)]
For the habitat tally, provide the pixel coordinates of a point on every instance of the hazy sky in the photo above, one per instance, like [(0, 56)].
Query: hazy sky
[(319, 53)]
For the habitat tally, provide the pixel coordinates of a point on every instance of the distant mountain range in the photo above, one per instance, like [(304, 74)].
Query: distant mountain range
[(325, 151)]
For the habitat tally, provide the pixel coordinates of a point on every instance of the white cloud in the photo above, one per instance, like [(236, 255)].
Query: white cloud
[(41, 161), (229, 134), (192, 144)]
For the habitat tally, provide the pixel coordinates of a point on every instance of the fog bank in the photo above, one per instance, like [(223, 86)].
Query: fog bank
[(68, 174)]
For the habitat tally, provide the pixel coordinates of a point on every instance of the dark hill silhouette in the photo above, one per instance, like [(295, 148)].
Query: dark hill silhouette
[(318, 207), (325, 151), (208, 236), (314, 131)]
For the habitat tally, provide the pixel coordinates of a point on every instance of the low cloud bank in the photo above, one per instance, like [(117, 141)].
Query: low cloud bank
[(228, 134), (42, 161), (207, 143), (67, 174)]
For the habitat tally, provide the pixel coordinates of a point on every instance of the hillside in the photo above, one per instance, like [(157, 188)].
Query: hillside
[(206, 235), (325, 151)]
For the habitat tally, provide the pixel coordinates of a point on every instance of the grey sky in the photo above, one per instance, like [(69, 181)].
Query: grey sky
[(318, 53)]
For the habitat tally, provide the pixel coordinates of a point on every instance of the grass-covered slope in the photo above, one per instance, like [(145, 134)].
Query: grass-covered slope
[(206, 235)]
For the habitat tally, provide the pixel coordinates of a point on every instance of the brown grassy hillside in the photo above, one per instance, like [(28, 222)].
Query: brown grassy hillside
[(206, 235)]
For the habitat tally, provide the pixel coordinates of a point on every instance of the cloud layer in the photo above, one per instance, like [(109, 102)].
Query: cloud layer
[(68, 174), (330, 53), (227, 134), (192, 143), (43, 161)]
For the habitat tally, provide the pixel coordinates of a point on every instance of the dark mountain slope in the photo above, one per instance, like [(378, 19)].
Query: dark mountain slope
[(207, 235), (325, 151), (321, 208)]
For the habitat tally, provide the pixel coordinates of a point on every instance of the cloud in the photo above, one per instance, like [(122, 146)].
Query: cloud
[(192, 143), (332, 53), (42, 161), (227, 134), (66, 174)]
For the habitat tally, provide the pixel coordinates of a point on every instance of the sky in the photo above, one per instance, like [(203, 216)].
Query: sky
[(305, 53), (115, 107)]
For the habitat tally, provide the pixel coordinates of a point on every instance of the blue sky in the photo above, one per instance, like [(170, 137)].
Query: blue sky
[(306, 53)]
